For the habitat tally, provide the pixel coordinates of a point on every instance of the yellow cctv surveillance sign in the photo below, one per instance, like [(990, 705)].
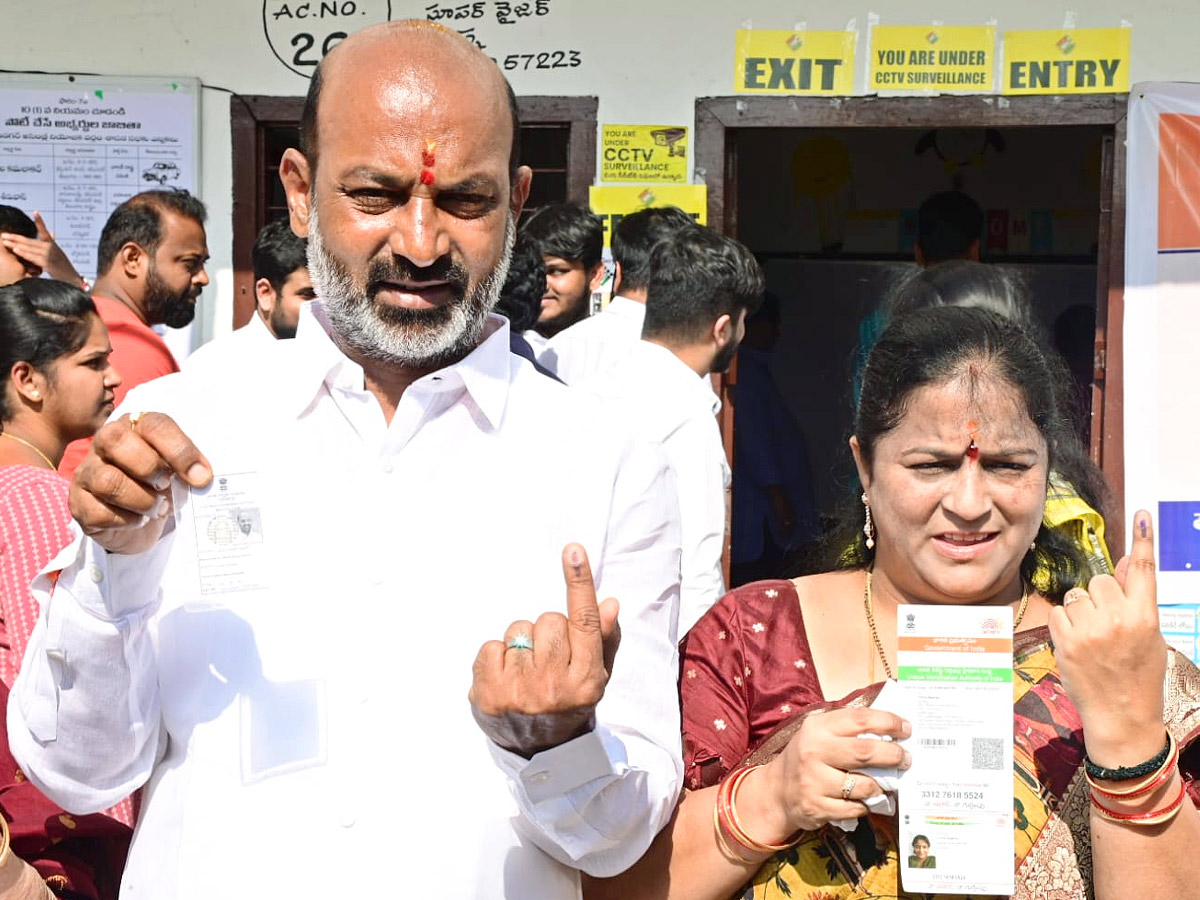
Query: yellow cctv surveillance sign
[(932, 59), (644, 153)]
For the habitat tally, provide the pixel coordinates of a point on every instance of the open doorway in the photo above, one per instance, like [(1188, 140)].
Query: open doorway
[(826, 195)]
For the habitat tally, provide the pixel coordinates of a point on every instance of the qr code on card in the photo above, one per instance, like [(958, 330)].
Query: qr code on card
[(987, 753)]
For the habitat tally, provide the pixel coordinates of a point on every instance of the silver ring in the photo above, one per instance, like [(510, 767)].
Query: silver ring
[(848, 786), (519, 642), (1074, 595)]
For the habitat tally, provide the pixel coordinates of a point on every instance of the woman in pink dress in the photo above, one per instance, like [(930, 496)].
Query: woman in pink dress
[(58, 386)]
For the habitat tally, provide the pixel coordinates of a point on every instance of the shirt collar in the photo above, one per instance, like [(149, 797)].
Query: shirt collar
[(315, 362), (623, 306)]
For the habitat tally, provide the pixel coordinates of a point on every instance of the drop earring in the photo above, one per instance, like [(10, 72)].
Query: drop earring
[(868, 525)]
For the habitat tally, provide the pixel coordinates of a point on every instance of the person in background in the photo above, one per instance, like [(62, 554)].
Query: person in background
[(281, 286), (701, 287), (521, 298), (1074, 337), (58, 385), (949, 227), (151, 260), (598, 342), (571, 239), (960, 425), (281, 280), (773, 510), (28, 249)]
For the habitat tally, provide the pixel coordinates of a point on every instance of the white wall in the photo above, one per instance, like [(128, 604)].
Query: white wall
[(647, 60)]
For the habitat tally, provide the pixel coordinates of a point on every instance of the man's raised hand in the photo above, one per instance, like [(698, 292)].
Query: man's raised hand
[(121, 493), (539, 687)]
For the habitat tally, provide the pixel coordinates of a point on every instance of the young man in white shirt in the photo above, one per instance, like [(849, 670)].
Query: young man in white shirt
[(701, 286), (312, 700), (571, 239), (281, 286), (597, 343)]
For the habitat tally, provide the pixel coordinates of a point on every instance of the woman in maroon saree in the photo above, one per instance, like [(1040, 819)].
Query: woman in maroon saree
[(959, 427)]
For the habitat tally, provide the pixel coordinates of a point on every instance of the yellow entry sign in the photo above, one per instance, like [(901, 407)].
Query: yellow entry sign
[(644, 153), (1071, 61), (924, 59), (612, 202), (794, 62)]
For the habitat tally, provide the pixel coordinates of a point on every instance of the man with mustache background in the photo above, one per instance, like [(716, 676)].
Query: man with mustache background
[(151, 262), (365, 698)]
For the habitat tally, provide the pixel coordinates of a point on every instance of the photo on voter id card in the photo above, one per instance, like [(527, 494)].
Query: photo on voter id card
[(230, 540)]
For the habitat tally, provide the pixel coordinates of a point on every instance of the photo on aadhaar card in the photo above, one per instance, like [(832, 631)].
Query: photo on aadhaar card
[(922, 856)]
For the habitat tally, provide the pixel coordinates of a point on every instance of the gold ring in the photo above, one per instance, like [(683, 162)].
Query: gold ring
[(134, 418), (848, 786)]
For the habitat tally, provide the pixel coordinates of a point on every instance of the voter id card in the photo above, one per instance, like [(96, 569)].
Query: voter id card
[(223, 522), (956, 802)]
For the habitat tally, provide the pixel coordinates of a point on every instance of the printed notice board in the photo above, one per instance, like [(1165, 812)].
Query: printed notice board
[(613, 202), (74, 147), (794, 62), (1074, 61), (931, 59), (644, 153)]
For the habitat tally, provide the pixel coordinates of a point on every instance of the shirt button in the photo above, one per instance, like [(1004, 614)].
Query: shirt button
[(95, 574), (346, 818), (387, 467), (539, 777)]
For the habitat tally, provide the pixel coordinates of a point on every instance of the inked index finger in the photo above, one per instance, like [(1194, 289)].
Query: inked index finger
[(1140, 582), (583, 612)]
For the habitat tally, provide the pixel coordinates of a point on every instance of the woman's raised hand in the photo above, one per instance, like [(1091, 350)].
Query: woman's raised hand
[(1112, 657)]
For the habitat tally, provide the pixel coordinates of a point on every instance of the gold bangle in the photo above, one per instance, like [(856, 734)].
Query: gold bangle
[(726, 849)]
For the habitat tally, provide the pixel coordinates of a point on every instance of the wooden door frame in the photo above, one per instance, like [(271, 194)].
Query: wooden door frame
[(719, 118), (250, 115)]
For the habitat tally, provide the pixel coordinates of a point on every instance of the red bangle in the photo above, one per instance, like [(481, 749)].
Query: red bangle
[(1139, 790), (1154, 817), (726, 818)]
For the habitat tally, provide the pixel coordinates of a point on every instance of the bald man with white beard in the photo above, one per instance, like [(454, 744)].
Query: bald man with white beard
[(385, 689)]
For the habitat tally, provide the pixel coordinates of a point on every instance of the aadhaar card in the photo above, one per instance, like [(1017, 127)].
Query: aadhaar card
[(956, 802)]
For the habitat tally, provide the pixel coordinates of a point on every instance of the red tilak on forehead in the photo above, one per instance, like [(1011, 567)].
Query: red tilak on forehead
[(427, 160)]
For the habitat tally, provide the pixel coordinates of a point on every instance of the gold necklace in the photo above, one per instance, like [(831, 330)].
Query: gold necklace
[(869, 606), (30, 446)]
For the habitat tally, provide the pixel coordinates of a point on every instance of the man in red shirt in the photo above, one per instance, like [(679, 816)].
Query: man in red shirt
[(151, 263)]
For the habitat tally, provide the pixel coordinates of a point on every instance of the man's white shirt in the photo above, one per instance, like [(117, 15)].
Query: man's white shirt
[(664, 400), (313, 738), (251, 338), (597, 343)]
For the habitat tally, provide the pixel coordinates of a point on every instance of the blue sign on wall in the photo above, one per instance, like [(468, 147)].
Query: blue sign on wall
[(1179, 535)]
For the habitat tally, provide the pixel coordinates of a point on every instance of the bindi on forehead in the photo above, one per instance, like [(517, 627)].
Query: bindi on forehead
[(973, 446)]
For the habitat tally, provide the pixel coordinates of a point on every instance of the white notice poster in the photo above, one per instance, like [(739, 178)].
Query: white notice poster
[(73, 147)]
